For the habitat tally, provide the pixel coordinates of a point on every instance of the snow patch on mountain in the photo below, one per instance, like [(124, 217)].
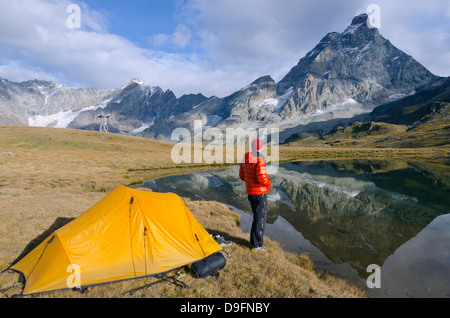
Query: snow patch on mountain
[(61, 119), (279, 101), (141, 129)]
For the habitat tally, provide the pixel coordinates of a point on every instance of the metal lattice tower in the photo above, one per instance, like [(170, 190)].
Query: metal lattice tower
[(104, 123)]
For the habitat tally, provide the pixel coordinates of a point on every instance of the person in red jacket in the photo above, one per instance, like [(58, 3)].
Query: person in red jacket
[(257, 183)]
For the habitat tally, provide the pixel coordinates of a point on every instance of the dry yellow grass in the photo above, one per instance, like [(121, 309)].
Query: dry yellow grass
[(55, 175), (431, 133)]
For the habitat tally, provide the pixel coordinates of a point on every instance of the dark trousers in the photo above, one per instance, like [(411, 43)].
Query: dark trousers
[(259, 208)]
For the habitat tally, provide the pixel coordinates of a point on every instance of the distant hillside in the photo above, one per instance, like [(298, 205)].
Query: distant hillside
[(426, 103), (432, 133), (421, 119)]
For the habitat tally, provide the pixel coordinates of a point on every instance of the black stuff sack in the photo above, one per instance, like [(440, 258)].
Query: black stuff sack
[(209, 265)]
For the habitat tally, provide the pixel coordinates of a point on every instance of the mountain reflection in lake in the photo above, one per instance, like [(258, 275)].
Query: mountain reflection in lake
[(347, 215)]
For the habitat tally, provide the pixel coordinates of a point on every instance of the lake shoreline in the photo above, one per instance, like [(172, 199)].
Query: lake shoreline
[(56, 174), (209, 185)]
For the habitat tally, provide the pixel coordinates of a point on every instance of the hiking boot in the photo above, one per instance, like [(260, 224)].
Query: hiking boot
[(259, 249), (219, 239)]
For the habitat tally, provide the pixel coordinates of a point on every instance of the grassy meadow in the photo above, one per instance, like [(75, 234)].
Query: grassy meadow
[(50, 176)]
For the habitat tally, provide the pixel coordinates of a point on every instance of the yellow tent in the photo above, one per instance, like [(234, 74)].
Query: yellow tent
[(127, 234)]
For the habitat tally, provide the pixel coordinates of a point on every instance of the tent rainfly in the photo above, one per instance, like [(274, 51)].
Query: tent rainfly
[(128, 234)]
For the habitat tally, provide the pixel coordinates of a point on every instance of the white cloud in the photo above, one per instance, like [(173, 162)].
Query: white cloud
[(420, 29), (18, 73), (179, 39), (35, 42), (271, 36), (218, 47)]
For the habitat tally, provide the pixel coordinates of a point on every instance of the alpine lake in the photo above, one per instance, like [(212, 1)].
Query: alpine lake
[(383, 225)]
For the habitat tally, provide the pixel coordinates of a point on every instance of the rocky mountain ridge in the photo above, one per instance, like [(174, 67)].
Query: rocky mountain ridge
[(347, 74), (344, 76), (37, 99)]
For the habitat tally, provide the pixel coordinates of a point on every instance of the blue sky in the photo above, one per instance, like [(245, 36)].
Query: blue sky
[(136, 20), (213, 47)]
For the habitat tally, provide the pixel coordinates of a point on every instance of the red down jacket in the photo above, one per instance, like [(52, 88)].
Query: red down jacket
[(253, 172)]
